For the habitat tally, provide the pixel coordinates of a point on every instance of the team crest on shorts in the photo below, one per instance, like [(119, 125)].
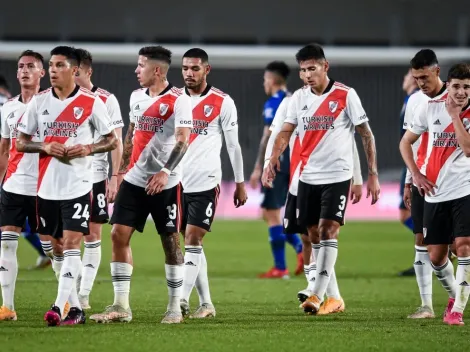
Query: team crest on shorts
[(208, 110), (425, 232), (286, 223), (333, 105), (163, 109), (77, 112)]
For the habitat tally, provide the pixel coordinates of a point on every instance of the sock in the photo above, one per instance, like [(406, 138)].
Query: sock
[(192, 264), (313, 266), (68, 276), (91, 263), (325, 266), (202, 282), (73, 298), (278, 241), (47, 248), (423, 270), (8, 267), (306, 271), (33, 239), (174, 281), (332, 290), (295, 242), (57, 262), (445, 274), (409, 223), (121, 275), (462, 278)]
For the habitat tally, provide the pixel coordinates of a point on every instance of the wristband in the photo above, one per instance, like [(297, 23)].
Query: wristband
[(89, 149), (114, 175), (165, 170)]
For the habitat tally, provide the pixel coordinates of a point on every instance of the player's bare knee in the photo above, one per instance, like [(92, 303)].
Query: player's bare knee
[(171, 247), (305, 240), (72, 240), (272, 216), (328, 232), (438, 254), (462, 245), (404, 215), (11, 228), (194, 237), (57, 247), (119, 238), (95, 233), (314, 235), (419, 240)]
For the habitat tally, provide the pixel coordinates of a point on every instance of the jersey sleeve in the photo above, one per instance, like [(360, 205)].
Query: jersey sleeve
[(131, 110), (419, 123), (280, 115), (29, 122), (292, 108), (228, 114), (114, 111), (183, 111), (354, 109), (100, 118), (5, 129)]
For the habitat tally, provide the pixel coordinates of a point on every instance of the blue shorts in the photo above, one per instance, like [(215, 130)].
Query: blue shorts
[(402, 188), (275, 198)]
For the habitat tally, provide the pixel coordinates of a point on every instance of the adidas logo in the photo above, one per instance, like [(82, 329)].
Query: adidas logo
[(45, 112), (304, 108), (89, 266), (137, 107), (2, 268), (465, 283), (84, 224), (207, 222), (68, 275), (170, 223), (102, 212), (324, 273), (339, 214), (419, 262), (312, 279), (12, 115), (437, 122), (190, 263)]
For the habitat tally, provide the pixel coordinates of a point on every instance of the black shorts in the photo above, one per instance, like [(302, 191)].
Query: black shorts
[(446, 220), (199, 208), (99, 203), (15, 208), (133, 206), (290, 217), (56, 216), (402, 188), (417, 210), (315, 202), (275, 198)]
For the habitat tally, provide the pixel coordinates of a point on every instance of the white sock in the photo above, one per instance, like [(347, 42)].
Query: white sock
[(423, 270), (57, 263), (313, 266), (325, 266), (121, 275), (202, 282), (332, 290), (445, 274), (91, 263), (192, 263), (174, 280), (462, 280), (8, 267), (68, 276), (47, 248), (306, 271)]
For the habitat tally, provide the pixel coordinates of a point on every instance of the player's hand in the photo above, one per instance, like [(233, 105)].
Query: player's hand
[(111, 190), (266, 181), (271, 169), (156, 183), (356, 193), (254, 178), (55, 149), (373, 188), (423, 184), (453, 108), (78, 151), (239, 196), (407, 196)]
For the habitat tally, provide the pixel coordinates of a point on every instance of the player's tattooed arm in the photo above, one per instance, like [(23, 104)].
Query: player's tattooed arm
[(127, 149), (106, 144), (172, 249), (368, 141), (262, 147), (182, 142), (282, 140)]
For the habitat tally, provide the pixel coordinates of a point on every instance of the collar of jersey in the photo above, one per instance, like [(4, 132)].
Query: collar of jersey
[(204, 92), (75, 91), (168, 87), (327, 89)]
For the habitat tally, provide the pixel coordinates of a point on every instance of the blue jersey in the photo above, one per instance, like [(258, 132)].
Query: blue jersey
[(269, 111)]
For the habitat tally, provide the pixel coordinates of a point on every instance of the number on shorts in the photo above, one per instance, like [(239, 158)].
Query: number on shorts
[(171, 211), (209, 210), (85, 214), (342, 199), (101, 200)]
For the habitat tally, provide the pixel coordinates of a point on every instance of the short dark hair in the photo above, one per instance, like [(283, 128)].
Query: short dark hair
[(69, 52), (459, 71), (156, 53), (278, 67), (312, 51), (424, 58), (84, 57), (34, 54), (4, 83), (197, 53)]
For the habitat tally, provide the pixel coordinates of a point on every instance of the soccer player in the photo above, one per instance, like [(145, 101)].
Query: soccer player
[(275, 86), (103, 192), (5, 94), (18, 194), (425, 70), (326, 113), (214, 113), (445, 184), (66, 117), (156, 141)]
